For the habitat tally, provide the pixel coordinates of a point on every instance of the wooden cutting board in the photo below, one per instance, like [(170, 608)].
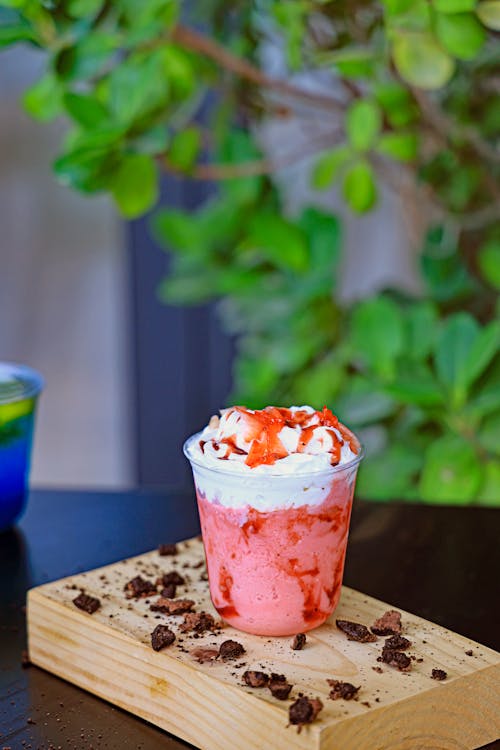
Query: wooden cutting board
[(207, 704)]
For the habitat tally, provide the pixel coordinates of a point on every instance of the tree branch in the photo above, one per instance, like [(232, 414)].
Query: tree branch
[(445, 127), (197, 42), (255, 167)]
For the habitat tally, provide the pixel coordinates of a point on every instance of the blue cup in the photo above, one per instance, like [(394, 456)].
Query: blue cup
[(20, 387)]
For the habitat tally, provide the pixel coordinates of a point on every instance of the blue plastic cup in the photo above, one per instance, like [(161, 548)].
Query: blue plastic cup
[(20, 387)]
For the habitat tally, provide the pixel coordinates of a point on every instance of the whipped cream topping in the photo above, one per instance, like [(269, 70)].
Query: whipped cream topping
[(274, 441)]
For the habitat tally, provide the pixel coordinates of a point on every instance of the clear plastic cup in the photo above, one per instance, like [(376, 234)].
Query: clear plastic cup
[(275, 544), (20, 387)]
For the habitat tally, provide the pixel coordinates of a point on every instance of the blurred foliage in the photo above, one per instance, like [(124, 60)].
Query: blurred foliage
[(413, 101)]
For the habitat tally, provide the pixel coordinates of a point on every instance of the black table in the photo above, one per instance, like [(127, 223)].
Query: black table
[(441, 563)]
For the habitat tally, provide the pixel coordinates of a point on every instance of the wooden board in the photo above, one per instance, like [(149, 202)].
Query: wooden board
[(109, 654)]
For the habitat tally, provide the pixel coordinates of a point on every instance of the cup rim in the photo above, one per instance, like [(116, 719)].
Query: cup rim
[(339, 468), (33, 383)]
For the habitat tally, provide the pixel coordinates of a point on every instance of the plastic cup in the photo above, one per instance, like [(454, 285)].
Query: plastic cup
[(20, 387), (275, 572)]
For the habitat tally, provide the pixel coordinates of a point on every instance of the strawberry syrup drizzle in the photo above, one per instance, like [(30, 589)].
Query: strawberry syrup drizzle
[(263, 427)]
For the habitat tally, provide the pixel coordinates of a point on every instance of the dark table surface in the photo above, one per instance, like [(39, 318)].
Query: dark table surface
[(441, 563)]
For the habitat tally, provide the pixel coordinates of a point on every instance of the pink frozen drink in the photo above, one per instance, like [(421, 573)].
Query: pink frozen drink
[(274, 489)]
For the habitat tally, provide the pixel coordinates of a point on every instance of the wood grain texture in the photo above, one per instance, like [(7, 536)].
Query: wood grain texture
[(109, 654)]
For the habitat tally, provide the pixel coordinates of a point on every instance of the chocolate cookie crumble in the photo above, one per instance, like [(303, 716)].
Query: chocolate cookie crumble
[(255, 679), (397, 642), (279, 686), (169, 591), (231, 650), (172, 606), (340, 689), (161, 637), (355, 631), (388, 624), (139, 588), (198, 622), (299, 641), (439, 674), (172, 577), (204, 655), (87, 603), (396, 659), (303, 711), (167, 550)]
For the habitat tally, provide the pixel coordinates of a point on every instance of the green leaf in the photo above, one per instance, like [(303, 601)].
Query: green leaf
[(484, 348), (138, 87), (408, 15), (378, 335), (421, 61), (387, 475), (324, 236), (179, 231), (85, 109), (88, 57), (43, 101), (420, 389), (461, 34), (398, 106), (15, 32), (237, 147), (135, 185), (454, 6), (452, 353), (84, 8), (401, 146), (363, 408), (489, 13), (184, 149), (421, 323), (183, 289), (451, 473), (180, 71), (489, 494), (353, 62), (489, 433), (328, 167), (363, 122), (278, 241), (359, 188), (489, 263)]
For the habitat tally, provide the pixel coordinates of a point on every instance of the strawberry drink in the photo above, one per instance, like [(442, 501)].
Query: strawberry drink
[(274, 489)]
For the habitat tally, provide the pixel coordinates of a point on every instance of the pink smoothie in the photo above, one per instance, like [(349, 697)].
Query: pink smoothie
[(278, 572)]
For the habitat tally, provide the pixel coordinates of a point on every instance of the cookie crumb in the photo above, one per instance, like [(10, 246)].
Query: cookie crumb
[(470, 652), (255, 679), (172, 606), (298, 642), (355, 631), (303, 711), (161, 637), (439, 674), (279, 686), (396, 659), (230, 650), (204, 655), (199, 622), (397, 642), (172, 577), (139, 588), (165, 550), (340, 689), (89, 604), (388, 624)]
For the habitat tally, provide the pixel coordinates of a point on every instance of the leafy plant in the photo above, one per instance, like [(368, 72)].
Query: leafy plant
[(412, 102)]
